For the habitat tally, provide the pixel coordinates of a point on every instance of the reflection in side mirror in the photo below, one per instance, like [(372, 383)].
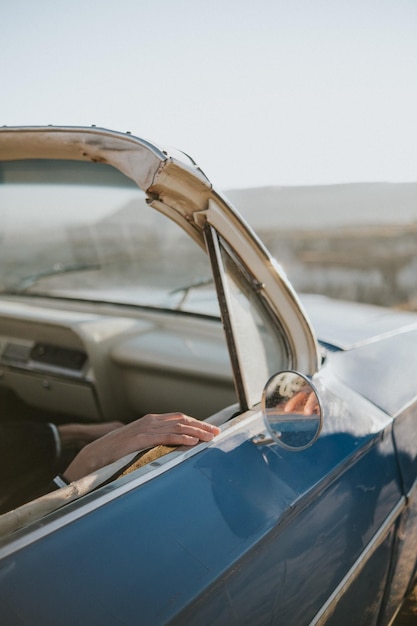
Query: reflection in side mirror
[(292, 411)]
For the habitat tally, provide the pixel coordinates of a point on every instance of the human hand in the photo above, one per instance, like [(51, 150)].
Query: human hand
[(146, 432), (304, 401)]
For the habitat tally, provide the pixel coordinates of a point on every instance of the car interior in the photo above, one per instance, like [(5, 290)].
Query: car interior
[(88, 365), (106, 310)]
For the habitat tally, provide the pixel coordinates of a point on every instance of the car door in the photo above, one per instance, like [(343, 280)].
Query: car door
[(231, 532), (337, 545)]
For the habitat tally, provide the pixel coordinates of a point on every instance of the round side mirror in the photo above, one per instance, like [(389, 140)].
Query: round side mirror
[(292, 410)]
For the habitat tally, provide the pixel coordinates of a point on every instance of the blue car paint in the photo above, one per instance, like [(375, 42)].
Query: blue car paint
[(384, 373), (237, 530), (381, 371)]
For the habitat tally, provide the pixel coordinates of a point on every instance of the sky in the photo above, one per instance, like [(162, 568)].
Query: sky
[(260, 92)]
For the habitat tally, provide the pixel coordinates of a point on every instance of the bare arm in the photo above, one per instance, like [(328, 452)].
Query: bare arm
[(79, 435), (146, 432)]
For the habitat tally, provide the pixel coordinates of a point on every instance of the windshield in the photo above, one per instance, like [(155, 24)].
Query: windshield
[(84, 230)]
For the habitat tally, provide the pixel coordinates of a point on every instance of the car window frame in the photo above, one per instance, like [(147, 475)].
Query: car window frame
[(248, 392)]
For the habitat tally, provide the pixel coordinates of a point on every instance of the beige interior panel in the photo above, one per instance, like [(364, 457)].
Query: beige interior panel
[(53, 394)]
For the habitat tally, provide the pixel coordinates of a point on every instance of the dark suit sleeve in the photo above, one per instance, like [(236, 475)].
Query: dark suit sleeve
[(26, 447), (29, 454)]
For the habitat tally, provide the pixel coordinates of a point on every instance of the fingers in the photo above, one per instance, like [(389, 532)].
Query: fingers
[(296, 402), (151, 430), (311, 405), (303, 401), (193, 431), (186, 425), (174, 429)]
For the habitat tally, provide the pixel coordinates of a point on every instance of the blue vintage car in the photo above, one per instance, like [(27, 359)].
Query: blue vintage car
[(130, 285)]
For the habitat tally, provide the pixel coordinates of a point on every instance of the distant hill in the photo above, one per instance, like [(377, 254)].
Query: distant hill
[(327, 206), (353, 241), (312, 208)]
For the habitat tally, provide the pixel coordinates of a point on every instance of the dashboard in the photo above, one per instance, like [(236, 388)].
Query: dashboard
[(98, 362)]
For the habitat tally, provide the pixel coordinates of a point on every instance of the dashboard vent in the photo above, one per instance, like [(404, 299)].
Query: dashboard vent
[(57, 356)]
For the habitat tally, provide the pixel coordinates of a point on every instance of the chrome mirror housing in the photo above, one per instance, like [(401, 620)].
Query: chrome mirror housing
[(292, 410)]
